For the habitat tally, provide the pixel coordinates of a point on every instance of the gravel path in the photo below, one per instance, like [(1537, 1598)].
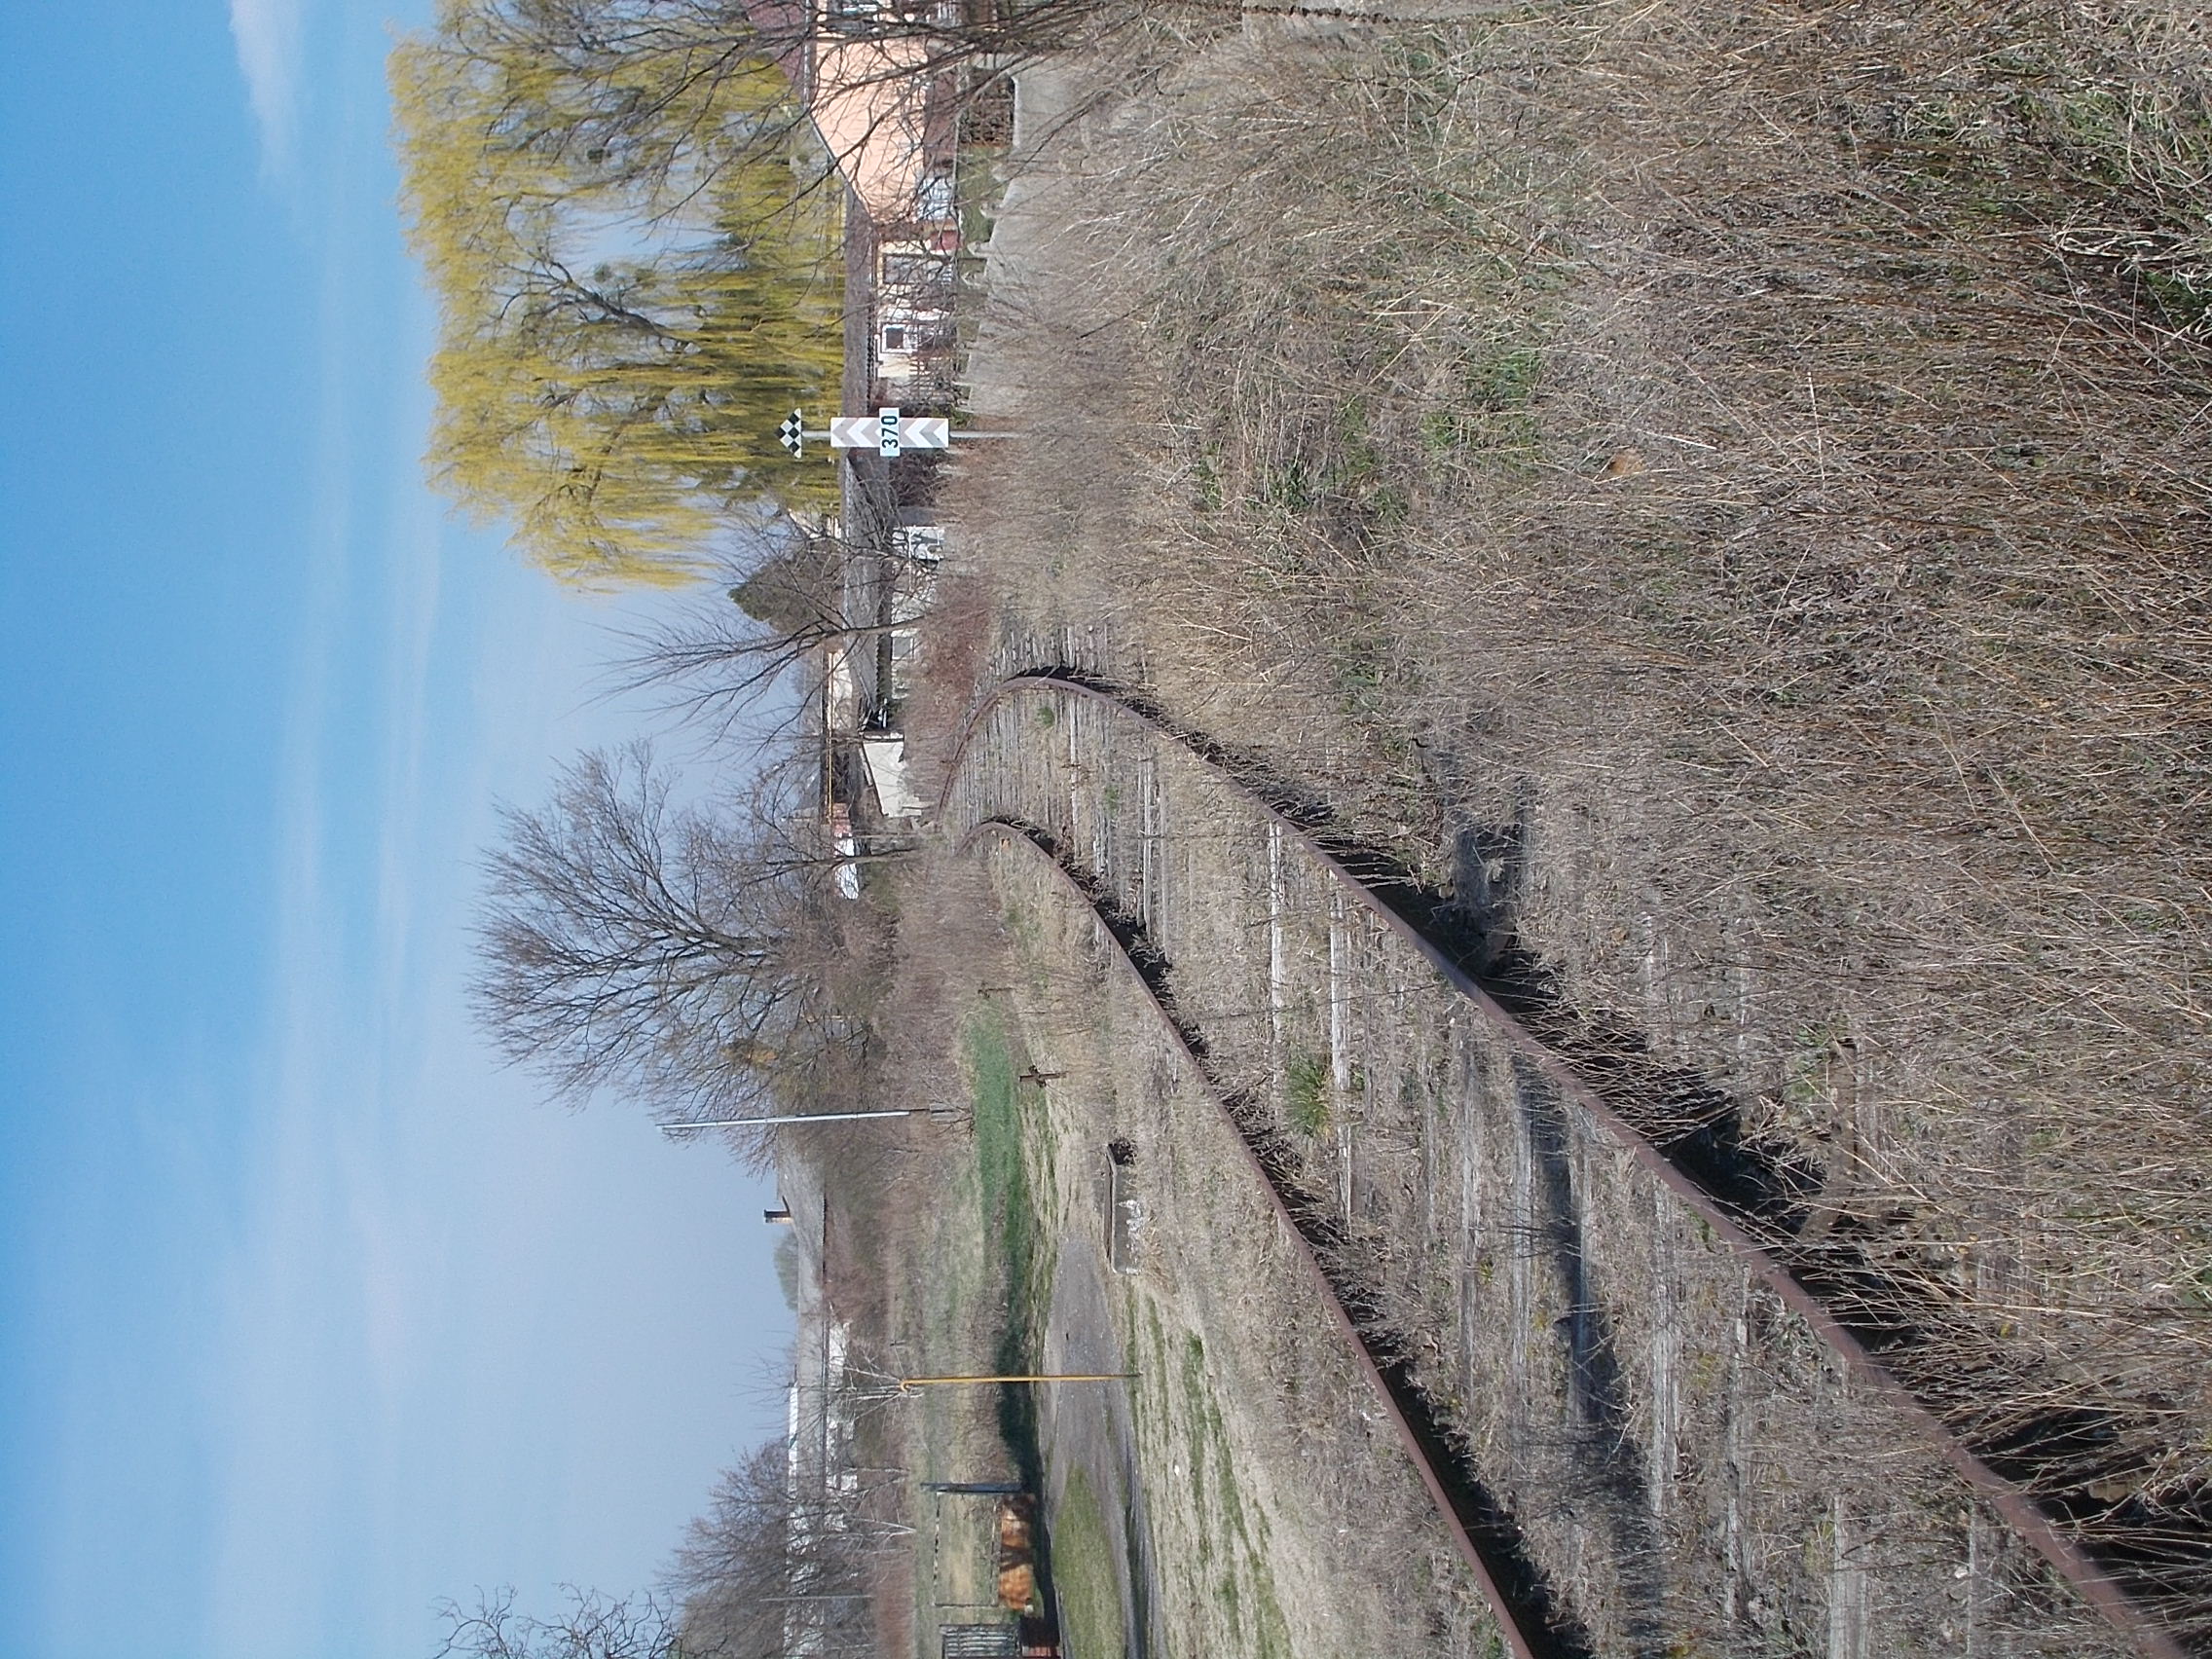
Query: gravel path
[(1087, 1427)]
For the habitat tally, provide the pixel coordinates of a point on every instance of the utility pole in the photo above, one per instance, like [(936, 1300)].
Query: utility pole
[(906, 1385)]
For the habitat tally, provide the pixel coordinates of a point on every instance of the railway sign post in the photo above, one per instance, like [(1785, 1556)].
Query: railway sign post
[(889, 433)]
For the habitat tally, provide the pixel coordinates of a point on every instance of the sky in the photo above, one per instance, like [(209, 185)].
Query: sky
[(310, 1314)]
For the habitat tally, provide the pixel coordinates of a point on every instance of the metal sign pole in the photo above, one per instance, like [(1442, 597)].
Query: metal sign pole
[(788, 1118)]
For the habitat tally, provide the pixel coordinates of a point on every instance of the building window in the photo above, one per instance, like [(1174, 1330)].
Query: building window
[(934, 201), (918, 541), (913, 270)]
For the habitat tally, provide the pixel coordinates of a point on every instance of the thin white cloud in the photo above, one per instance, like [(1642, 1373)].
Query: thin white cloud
[(267, 34)]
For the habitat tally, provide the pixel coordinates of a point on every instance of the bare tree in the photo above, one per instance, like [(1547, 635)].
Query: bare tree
[(780, 1557), (725, 659), (594, 1627), (643, 91), (684, 953)]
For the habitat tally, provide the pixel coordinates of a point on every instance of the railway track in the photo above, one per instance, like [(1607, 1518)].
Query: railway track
[(1528, 1617), (1600, 1300)]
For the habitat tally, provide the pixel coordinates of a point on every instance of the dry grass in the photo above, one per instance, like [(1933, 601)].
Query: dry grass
[(1761, 454)]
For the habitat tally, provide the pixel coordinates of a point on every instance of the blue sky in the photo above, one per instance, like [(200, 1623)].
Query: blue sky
[(309, 1315)]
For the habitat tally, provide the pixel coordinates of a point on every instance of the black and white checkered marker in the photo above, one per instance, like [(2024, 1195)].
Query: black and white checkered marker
[(790, 435)]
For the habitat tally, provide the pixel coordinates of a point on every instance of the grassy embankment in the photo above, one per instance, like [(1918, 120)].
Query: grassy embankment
[(982, 1269), (1009, 1120), (1089, 1600)]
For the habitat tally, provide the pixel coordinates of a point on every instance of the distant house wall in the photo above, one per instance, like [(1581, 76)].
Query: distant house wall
[(914, 329), (891, 124), (870, 100), (885, 755)]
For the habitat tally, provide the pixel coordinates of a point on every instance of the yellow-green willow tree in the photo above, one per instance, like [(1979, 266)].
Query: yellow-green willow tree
[(635, 264)]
